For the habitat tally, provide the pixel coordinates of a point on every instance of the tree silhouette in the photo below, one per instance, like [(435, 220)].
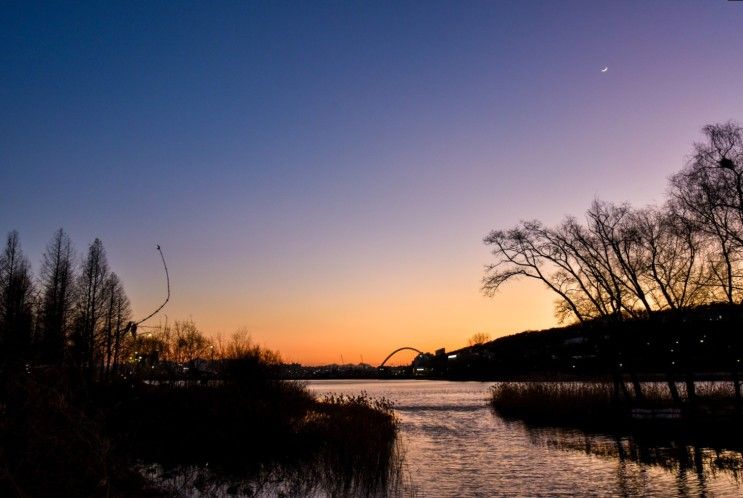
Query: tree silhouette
[(55, 307), (478, 339), (116, 314), (709, 193), (90, 308), (626, 262), (676, 269), (16, 302)]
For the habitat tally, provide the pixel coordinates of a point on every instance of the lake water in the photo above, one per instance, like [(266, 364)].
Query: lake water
[(455, 446)]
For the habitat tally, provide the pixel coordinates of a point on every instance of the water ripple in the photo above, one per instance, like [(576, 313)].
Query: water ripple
[(456, 447)]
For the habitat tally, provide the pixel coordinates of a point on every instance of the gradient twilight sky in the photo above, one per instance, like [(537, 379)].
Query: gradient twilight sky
[(322, 173)]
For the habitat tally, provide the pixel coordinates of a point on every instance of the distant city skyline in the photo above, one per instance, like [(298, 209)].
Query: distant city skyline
[(323, 174)]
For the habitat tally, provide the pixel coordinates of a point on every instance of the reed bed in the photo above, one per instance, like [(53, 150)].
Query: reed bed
[(260, 438), (595, 404), (562, 403)]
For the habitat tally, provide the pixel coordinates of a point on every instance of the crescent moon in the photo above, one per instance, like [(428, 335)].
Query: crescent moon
[(606, 68)]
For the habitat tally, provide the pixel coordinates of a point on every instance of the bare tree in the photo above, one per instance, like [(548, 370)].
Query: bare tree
[(626, 255), (116, 314), (709, 192), (623, 261), (16, 301), (245, 361), (90, 306), (56, 282), (478, 339), (677, 273), (188, 342), (524, 252), (597, 270), (599, 296)]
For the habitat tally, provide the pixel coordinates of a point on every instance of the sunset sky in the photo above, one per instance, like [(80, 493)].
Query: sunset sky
[(323, 173)]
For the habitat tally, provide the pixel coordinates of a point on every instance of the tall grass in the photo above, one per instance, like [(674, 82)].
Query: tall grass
[(594, 404), (269, 436), (246, 434), (357, 435), (568, 403)]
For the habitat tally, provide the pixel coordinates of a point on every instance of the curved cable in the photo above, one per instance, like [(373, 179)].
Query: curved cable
[(167, 298)]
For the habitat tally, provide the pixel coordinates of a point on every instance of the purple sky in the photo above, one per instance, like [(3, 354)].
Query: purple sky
[(322, 173)]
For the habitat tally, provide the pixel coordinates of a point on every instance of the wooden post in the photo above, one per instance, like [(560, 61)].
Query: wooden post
[(674, 390), (639, 396), (736, 386), (690, 387), (617, 389)]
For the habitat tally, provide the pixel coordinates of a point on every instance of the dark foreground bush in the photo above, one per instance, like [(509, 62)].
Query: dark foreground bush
[(260, 438), (52, 444), (230, 437)]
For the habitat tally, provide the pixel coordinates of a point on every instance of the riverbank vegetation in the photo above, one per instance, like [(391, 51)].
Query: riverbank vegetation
[(700, 435), (94, 403), (653, 293), (560, 403), (711, 407)]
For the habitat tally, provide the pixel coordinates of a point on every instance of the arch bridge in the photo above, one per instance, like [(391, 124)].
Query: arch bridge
[(408, 348)]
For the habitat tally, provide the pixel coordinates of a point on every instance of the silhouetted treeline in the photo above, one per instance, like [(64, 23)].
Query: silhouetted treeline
[(75, 311), (623, 261), (75, 314)]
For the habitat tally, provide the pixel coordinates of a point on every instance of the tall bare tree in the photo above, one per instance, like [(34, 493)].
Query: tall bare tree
[(16, 302), (90, 307), (677, 271), (709, 192), (116, 314), (55, 309), (596, 294), (524, 252)]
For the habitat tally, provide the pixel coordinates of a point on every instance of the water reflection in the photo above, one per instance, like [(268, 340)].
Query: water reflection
[(455, 446), (693, 466), (313, 478)]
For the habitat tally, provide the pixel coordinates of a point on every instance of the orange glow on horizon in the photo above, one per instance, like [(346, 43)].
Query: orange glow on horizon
[(326, 329)]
